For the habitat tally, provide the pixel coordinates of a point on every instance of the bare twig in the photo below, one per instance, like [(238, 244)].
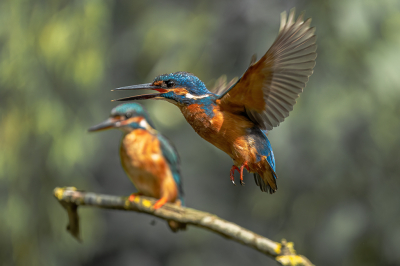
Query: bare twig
[(70, 198)]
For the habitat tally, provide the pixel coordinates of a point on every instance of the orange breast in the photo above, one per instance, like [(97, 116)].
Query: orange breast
[(142, 160), (226, 130)]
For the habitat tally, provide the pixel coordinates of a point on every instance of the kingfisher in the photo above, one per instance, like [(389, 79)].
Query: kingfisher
[(237, 116), (148, 158)]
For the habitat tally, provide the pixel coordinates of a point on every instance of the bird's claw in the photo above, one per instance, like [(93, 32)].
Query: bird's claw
[(240, 170), (159, 203), (232, 174)]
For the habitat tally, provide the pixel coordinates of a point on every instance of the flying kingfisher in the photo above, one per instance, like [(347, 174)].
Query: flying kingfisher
[(237, 117), (148, 158)]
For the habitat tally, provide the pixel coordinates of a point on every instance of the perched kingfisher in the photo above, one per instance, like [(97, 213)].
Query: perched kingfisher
[(238, 116), (148, 158)]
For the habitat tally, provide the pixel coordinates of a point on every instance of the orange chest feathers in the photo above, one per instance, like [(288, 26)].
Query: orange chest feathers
[(142, 160), (226, 130), (141, 149)]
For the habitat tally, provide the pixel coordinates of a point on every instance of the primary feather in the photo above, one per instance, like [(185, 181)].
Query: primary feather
[(269, 88)]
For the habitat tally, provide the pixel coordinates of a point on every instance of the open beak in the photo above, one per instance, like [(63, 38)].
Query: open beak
[(146, 86), (109, 123)]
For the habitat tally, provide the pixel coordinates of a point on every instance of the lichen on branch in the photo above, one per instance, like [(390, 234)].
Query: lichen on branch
[(71, 198)]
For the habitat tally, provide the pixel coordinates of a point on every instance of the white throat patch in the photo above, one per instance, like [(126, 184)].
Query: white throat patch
[(143, 123), (191, 96)]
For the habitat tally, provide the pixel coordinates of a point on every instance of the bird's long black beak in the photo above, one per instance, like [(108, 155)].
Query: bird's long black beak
[(146, 86), (109, 123), (139, 97)]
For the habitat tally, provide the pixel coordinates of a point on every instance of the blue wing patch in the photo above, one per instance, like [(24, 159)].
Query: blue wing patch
[(264, 148), (172, 157), (270, 156)]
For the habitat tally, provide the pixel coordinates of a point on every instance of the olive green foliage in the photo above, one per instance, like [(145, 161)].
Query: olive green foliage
[(337, 154), (52, 61)]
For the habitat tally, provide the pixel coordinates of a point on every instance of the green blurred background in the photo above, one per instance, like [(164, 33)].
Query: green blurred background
[(337, 154)]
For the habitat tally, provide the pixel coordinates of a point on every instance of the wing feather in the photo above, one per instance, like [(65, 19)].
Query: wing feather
[(221, 84), (269, 88), (171, 155)]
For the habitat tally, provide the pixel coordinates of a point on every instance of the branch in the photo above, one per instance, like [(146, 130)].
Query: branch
[(70, 198)]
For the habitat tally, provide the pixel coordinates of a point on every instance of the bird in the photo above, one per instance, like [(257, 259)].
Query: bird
[(238, 115), (149, 159)]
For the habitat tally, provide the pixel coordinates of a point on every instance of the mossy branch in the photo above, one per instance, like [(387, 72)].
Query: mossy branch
[(70, 198)]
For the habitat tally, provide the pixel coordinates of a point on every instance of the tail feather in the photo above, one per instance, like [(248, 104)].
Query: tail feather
[(176, 226), (268, 183), (265, 187), (257, 179), (265, 179)]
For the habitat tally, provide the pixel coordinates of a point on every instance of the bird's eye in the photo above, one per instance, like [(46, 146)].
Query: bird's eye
[(128, 115), (170, 83)]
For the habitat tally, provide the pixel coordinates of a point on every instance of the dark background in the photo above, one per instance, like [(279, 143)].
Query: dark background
[(337, 155)]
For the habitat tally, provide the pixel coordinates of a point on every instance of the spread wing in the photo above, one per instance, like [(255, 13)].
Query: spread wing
[(172, 157), (220, 84), (269, 88)]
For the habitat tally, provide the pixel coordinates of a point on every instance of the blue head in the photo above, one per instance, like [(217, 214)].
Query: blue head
[(180, 88), (127, 117)]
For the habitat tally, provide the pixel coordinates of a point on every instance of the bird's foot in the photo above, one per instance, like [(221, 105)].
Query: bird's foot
[(160, 203), (133, 196), (232, 173), (241, 172)]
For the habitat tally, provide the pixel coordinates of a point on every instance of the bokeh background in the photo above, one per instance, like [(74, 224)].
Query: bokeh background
[(337, 154)]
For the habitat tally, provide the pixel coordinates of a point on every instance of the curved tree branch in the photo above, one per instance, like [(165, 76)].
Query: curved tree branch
[(70, 198)]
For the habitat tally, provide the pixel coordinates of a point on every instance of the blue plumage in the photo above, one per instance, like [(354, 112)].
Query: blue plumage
[(130, 110), (172, 157), (145, 153), (270, 156), (264, 151), (185, 80), (237, 118)]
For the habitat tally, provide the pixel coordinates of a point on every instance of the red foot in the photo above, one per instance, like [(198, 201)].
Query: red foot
[(232, 173), (160, 203), (241, 172)]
